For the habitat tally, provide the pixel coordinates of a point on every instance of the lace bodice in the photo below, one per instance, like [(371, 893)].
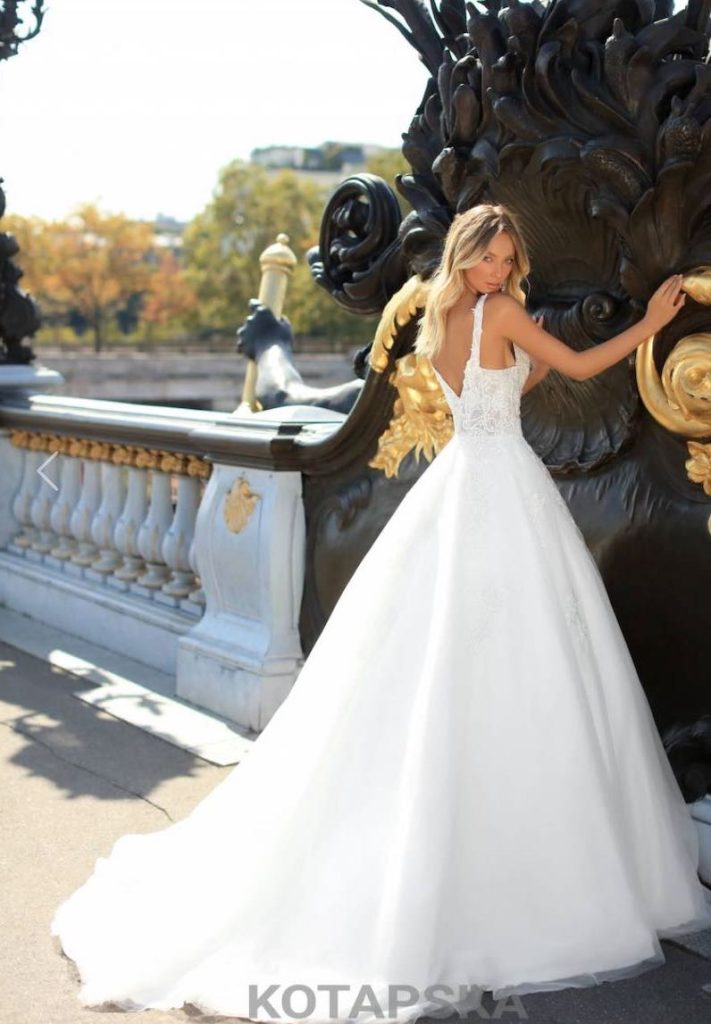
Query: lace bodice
[(490, 402)]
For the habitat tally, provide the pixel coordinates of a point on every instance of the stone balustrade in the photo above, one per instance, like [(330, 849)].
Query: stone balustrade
[(174, 537)]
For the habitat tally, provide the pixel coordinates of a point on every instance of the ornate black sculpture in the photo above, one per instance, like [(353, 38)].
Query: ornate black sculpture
[(19, 315), (10, 20), (591, 119), (590, 126), (263, 333), (359, 258)]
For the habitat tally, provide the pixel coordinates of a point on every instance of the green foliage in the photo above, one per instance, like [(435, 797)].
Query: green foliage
[(386, 165), (100, 272), (250, 207)]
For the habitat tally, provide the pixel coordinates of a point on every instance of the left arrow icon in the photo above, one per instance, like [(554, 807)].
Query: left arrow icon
[(46, 478)]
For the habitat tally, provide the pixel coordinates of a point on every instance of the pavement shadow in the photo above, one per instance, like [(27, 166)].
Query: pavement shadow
[(114, 758)]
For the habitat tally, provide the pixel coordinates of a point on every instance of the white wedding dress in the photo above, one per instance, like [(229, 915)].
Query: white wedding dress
[(465, 787)]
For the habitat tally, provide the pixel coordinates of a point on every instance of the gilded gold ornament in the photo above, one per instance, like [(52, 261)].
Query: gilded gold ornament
[(421, 418), (698, 467), (680, 399), (401, 308), (119, 454), (239, 505), (277, 263), (697, 284)]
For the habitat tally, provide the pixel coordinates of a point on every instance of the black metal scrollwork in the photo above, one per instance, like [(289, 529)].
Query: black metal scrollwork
[(358, 259), (592, 121), (19, 314)]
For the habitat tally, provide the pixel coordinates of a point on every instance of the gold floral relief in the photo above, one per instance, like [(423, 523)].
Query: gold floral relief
[(680, 398), (421, 418), (119, 454), (401, 308), (239, 505), (698, 467)]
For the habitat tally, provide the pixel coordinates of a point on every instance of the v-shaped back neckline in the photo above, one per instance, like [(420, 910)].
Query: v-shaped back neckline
[(475, 348)]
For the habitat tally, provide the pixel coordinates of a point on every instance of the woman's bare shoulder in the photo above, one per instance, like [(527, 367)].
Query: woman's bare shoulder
[(502, 304), (459, 325)]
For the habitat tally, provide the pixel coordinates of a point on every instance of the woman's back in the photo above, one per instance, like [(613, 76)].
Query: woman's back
[(489, 403)]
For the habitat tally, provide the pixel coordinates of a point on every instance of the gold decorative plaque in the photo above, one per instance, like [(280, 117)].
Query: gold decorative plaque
[(239, 505)]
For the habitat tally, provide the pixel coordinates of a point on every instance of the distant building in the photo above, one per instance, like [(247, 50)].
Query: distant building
[(279, 156), (168, 233), (330, 157)]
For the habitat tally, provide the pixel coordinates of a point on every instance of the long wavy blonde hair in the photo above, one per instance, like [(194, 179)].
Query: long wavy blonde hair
[(466, 244)]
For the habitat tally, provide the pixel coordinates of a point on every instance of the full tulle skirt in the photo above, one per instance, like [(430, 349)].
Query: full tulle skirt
[(465, 791)]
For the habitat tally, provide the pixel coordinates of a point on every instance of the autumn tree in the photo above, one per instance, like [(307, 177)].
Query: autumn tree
[(96, 263), (97, 268), (249, 208), (169, 299)]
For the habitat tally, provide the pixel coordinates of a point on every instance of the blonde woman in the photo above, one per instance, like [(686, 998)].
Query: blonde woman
[(464, 792)]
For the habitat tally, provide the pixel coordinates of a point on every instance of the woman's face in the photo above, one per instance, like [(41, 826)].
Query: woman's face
[(490, 273)]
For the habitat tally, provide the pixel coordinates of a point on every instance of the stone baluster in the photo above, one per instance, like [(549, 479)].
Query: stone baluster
[(83, 515), (40, 512), (102, 528), (128, 527), (65, 503), (176, 544), (196, 597), (22, 504), (152, 533)]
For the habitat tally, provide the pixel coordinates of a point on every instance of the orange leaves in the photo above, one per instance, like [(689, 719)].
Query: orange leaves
[(97, 261), (170, 298), (95, 265)]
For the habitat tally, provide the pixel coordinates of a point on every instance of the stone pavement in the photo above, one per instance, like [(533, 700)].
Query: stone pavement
[(73, 779)]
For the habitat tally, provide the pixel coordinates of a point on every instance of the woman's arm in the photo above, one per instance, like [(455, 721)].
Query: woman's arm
[(511, 320), (538, 369), (537, 373)]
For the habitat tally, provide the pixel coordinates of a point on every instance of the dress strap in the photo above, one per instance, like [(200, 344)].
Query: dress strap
[(476, 331)]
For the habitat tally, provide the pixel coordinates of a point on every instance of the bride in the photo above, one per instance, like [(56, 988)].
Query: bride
[(465, 791)]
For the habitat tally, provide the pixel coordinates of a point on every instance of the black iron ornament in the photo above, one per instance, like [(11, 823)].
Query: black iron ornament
[(591, 120), (359, 259), (605, 101), (19, 314), (11, 38)]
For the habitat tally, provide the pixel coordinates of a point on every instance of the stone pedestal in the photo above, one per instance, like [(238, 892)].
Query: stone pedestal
[(243, 657)]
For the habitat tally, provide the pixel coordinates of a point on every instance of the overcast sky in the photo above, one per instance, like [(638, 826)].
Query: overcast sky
[(136, 104)]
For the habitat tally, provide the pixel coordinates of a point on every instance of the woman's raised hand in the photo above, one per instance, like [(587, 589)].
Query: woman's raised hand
[(665, 303)]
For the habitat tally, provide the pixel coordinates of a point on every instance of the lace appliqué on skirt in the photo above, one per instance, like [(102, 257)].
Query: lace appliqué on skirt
[(575, 620), (541, 506)]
